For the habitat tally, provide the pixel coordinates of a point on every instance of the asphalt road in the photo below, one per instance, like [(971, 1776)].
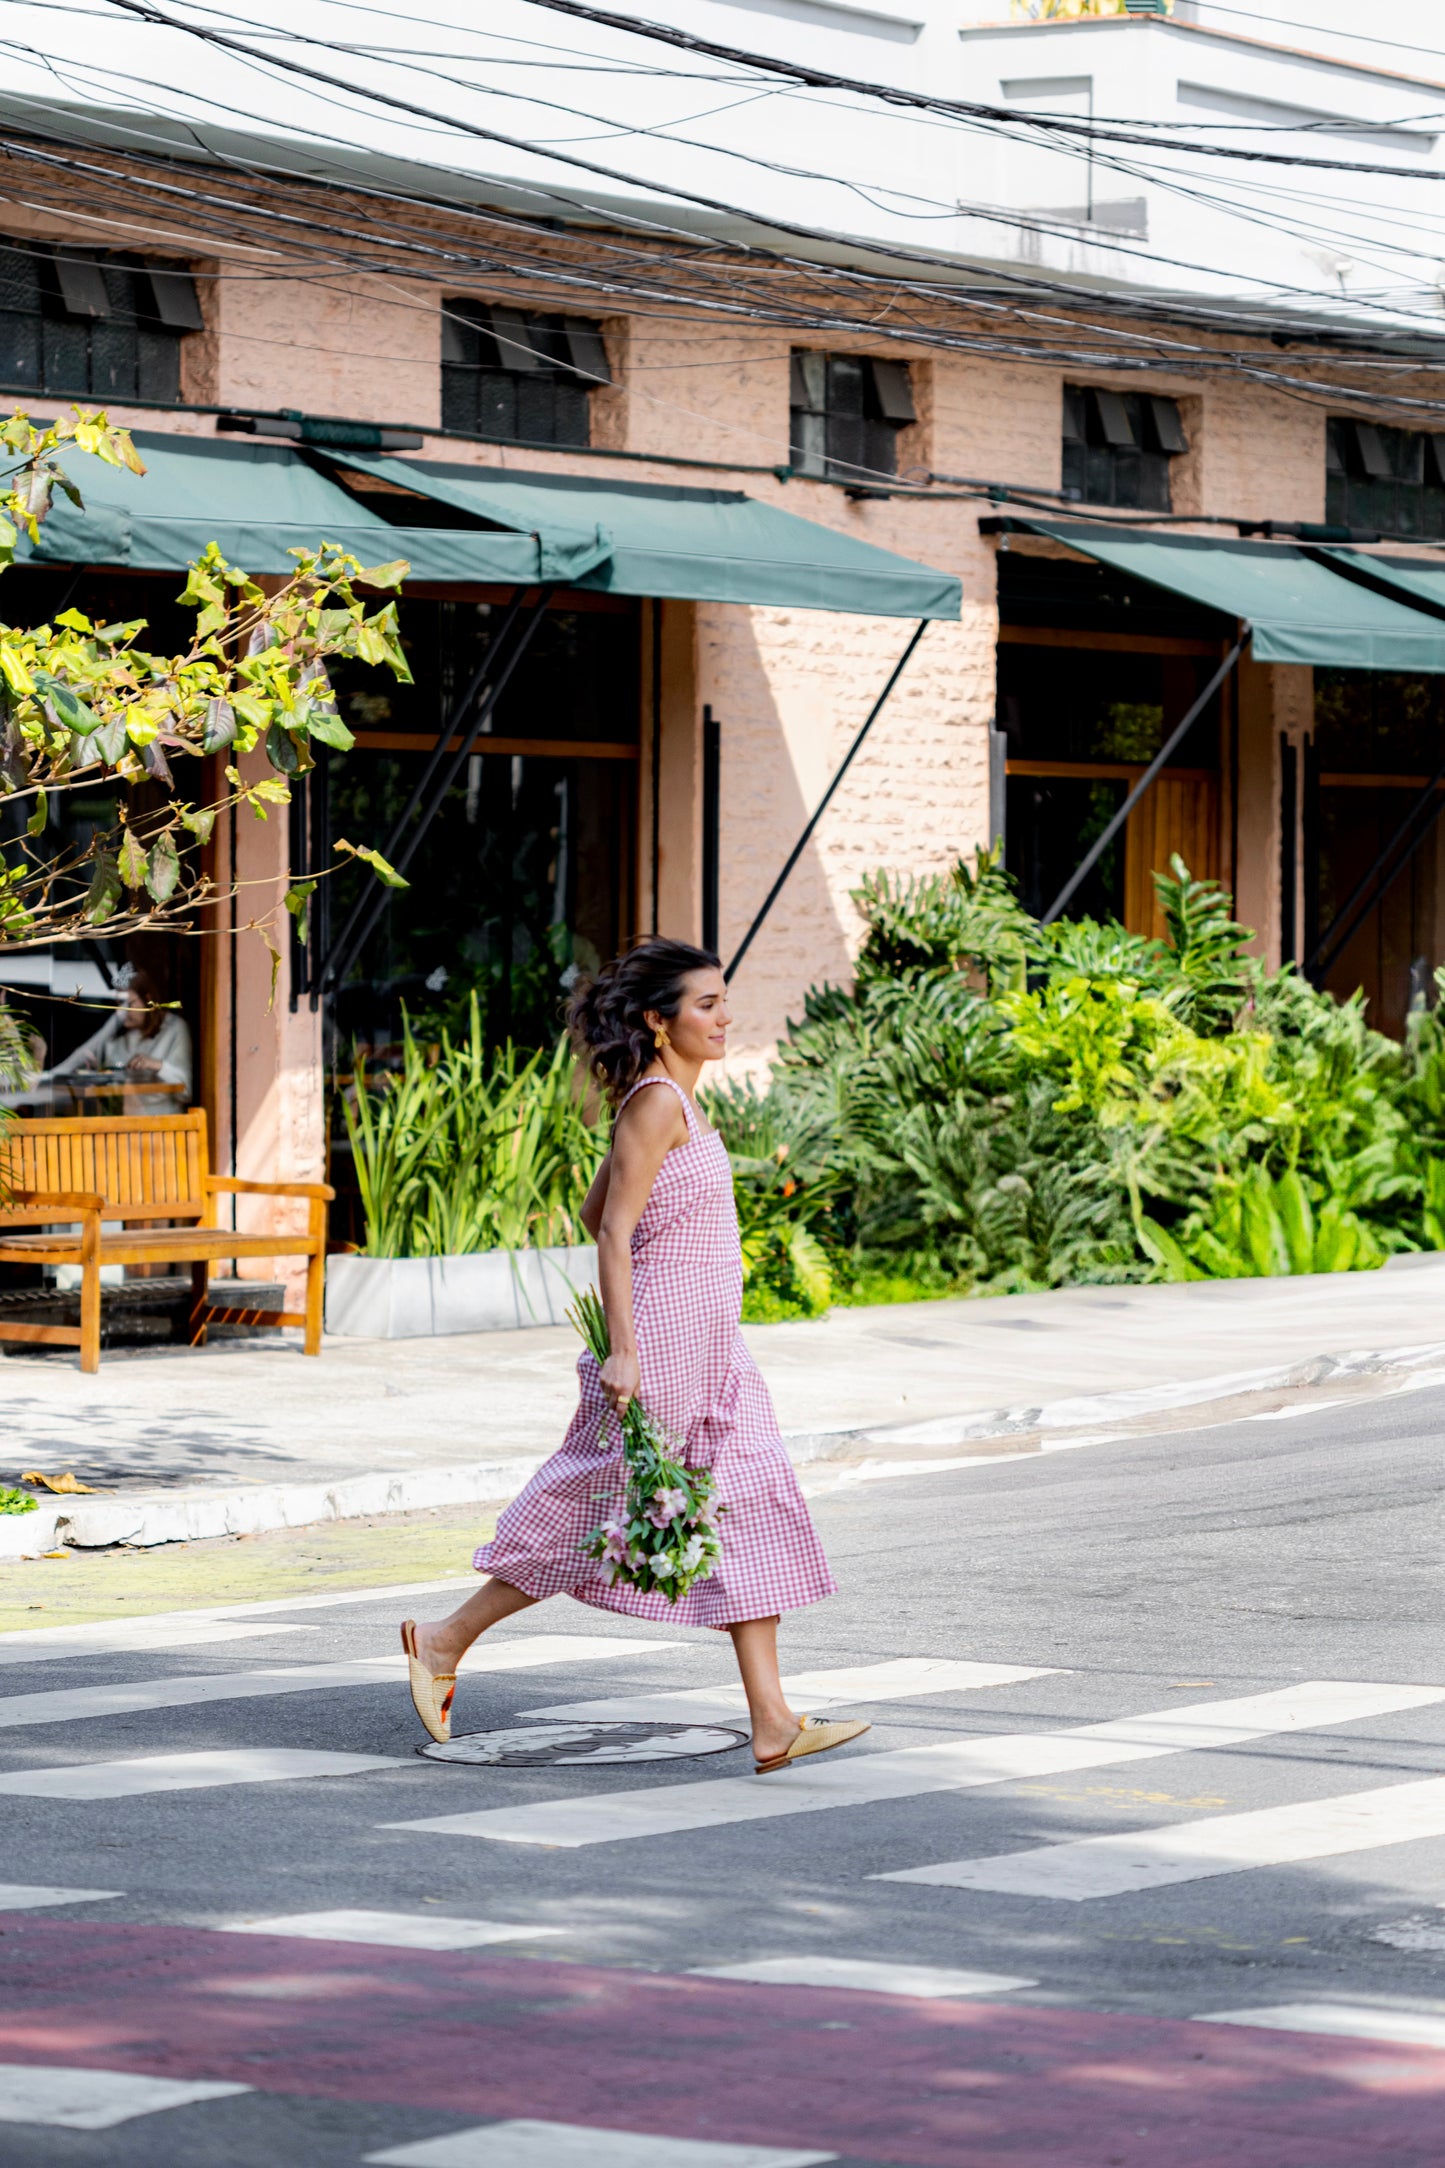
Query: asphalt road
[(1219, 1653)]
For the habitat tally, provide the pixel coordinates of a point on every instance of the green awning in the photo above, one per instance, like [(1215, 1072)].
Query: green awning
[(259, 501), (1300, 610), (1413, 579), (701, 545)]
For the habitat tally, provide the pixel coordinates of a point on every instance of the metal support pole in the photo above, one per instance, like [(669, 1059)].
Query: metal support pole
[(711, 826), (823, 803), (490, 681), (1175, 739)]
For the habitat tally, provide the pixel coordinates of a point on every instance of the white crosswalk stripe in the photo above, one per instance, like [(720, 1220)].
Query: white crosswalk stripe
[(903, 1678), (390, 1930), (570, 2145), (523, 1654), (1345, 2020), (34, 1896), (133, 1637), (863, 1778), (867, 1975), (65, 2099), (187, 1772), (1115, 1865)]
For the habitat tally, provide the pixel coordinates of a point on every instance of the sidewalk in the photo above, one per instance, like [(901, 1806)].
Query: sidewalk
[(251, 1435)]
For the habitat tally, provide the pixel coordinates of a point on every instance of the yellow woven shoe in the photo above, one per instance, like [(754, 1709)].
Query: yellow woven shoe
[(815, 1737), (431, 1691)]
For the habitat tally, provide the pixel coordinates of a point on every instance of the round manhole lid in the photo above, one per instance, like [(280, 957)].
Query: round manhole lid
[(543, 1746)]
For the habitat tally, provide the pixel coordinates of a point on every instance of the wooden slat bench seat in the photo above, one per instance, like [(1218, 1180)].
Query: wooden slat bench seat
[(62, 1179)]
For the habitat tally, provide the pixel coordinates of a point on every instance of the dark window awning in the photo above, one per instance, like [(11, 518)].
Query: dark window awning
[(700, 545), (1299, 609), (259, 501)]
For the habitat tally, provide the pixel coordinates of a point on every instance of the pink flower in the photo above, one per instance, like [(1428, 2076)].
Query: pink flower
[(666, 1505), (616, 1544)]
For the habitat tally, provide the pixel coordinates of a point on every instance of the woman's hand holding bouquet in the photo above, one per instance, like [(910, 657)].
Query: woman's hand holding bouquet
[(666, 1536)]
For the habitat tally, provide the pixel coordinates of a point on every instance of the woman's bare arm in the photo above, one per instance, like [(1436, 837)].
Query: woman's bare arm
[(596, 1198), (647, 1130)]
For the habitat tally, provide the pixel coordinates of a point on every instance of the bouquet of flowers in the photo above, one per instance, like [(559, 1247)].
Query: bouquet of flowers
[(665, 1537)]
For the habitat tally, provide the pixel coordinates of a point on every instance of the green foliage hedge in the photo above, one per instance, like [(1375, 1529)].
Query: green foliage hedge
[(996, 1107)]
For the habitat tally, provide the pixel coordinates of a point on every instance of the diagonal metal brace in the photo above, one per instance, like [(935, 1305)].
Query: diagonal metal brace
[(823, 803), (513, 638)]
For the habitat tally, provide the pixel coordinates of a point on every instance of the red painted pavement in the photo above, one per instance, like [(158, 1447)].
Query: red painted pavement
[(932, 2085)]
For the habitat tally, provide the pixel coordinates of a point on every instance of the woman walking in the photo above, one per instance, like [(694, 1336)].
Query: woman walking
[(670, 1267)]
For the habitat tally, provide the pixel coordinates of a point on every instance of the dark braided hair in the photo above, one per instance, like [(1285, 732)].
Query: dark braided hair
[(607, 1015)]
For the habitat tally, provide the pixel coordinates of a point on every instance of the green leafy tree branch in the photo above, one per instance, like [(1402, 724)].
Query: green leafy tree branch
[(82, 703)]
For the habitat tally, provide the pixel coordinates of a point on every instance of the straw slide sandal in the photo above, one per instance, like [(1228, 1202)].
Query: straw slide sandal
[(814, 1738), (431, 1691)]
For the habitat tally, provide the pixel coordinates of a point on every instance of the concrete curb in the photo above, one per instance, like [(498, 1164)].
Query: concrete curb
[(147, 1518)]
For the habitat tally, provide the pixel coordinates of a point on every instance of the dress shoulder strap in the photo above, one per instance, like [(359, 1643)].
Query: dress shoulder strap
[(693, 1132)]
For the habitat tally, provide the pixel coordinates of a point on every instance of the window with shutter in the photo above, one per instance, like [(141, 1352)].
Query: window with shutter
[(97, 325), (1388, 481), (845, 413), (1118, 445), (520, 377)]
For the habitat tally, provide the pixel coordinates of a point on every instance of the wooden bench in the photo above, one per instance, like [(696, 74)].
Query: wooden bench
[(85, 1169)]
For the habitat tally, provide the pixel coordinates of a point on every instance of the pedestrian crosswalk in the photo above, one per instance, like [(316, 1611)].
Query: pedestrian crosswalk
[(865, 1779), (975, 1716), (69, 1703), (904, 1678), (1114, 1866)]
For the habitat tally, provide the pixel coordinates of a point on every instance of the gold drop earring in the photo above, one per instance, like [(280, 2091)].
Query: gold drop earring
[(660, 1038)]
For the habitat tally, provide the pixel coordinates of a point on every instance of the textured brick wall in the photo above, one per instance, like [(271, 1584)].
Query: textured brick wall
[(789, 686)]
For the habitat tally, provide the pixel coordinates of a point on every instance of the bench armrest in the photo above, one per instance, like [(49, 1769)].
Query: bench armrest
[(233, 1186), (28, 1206)]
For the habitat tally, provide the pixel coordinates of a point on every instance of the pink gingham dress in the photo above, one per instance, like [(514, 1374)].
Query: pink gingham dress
[(702, 1385)]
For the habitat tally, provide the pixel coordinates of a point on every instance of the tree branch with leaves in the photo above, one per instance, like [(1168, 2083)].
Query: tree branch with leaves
[(82, 703)]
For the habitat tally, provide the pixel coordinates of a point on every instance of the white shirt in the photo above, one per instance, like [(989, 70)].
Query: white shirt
[(114, 1047)]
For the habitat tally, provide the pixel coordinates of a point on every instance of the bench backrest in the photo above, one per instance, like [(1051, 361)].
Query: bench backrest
[(149, 1166)]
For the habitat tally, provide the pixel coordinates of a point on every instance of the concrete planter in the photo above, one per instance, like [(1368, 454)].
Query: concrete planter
[(414, 1298)]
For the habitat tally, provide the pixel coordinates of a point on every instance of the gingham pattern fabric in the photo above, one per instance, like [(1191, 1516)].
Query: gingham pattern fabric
[(702, 1385)]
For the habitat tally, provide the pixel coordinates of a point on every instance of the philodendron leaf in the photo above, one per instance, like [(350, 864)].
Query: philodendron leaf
[(104, 892), (163, 868), (219, 728), (131, 863), (374, 859)]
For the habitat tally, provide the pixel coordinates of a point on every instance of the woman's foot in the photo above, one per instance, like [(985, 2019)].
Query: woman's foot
[(431, 1689), (436, 1650), (774, 1735), (814, 1736)]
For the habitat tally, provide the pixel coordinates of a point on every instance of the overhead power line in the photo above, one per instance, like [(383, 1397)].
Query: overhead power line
[(1093, 131)]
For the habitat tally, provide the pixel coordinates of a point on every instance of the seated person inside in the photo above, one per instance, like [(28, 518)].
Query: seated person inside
[(151, 1044)]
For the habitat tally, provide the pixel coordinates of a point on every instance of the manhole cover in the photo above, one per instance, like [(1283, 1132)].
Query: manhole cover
[(541, 1746)]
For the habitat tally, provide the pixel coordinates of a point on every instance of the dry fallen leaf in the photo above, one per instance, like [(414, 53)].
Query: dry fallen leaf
[(67, 1483)]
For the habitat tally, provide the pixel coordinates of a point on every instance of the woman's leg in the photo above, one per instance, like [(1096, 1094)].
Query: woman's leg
[(755, 1641), (442, 1647)]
